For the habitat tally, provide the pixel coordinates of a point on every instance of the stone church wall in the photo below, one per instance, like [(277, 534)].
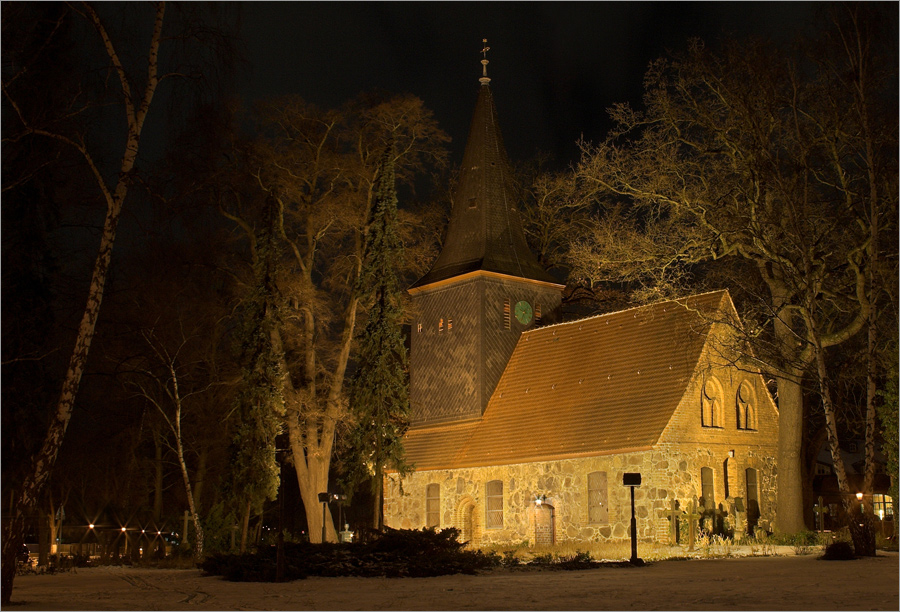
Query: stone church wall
[(668, 473)]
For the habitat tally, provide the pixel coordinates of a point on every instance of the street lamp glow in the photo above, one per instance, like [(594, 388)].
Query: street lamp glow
[(123, 530), (91, 526), (859, 496)]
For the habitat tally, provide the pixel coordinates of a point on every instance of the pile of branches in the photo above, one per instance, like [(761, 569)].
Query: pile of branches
[(393, 553)]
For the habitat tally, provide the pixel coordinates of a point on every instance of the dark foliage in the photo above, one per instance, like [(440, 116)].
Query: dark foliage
[(579, 561), (838, 551), (395, 553)]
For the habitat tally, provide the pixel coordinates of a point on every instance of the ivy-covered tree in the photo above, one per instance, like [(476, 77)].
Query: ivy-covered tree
[(260, 403), (380, 390), (887, 414)]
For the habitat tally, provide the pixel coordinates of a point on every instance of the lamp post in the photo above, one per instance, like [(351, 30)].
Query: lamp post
[(632, 480), (323, 498)]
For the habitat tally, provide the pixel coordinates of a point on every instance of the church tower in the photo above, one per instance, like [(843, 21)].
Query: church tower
[(485, 288)]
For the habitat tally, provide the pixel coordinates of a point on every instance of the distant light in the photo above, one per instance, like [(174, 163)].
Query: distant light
[(91, 526), (859, 496), (123, 530)]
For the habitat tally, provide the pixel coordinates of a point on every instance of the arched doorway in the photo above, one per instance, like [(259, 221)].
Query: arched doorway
[(465, 520), (544, 525)]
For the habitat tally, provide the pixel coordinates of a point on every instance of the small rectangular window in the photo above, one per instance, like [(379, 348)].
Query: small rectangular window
[(494, 506), (433, 505), (441, 325), (708, 496), (449, 324), (473, 202), (598, 512), (884, 505), (506, 313), (419, 328), (537, 313)]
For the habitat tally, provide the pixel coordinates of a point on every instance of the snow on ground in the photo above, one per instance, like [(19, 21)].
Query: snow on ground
[(784, 582)]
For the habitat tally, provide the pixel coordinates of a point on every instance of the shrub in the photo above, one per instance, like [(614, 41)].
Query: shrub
[(839, 551), (580, 560), (393, 553), (542, 560), (510, 559)]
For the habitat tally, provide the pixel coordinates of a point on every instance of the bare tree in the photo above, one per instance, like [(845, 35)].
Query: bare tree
[(752, 156), (320, 168), (131, 84), (136, 100)]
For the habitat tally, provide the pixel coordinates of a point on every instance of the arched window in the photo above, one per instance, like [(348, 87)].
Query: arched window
[(746, 406), (493, 518), (711, 403), (598, 510), (433, 505)]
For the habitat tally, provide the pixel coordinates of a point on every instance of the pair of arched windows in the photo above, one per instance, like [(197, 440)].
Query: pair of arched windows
[(712, 405)]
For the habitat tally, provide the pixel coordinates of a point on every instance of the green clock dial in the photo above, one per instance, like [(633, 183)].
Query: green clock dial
[(524, 312)]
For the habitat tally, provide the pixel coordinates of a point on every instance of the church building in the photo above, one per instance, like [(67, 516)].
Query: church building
[(523, 426)]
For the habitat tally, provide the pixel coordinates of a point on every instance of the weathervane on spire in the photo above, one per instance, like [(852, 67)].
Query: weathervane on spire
[(484, 80)]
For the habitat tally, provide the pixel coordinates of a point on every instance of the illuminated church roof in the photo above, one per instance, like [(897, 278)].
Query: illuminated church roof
[(605, 384)]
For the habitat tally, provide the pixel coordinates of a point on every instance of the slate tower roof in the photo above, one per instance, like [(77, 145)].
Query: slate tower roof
[(485, 231)]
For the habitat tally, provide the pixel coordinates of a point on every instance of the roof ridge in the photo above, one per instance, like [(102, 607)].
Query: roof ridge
[(615, 312)]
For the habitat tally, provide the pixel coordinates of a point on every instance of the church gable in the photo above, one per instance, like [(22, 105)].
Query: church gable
[(726, 402)]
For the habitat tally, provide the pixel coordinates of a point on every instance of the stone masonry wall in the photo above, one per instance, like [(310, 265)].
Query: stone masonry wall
[(672, 472)]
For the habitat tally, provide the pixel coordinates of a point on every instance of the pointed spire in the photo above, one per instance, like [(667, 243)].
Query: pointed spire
[(484, 80), (485, 231)]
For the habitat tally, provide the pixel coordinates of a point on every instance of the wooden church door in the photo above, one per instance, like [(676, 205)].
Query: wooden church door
[(544, 525)]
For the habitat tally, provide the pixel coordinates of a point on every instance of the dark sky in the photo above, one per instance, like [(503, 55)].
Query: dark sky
[(555, 67)]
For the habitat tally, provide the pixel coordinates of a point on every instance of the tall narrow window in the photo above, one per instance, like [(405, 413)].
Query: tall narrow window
[(752, 500), (433, 505), (449, 324), (746, 406), (598, 511), (707, 492), (711, 403), (494, 508), (537, 313), (419, 328), (441, 325), (506, 313), (884, 505)]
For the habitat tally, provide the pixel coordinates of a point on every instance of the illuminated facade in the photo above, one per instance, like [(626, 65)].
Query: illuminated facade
[(522, 426)]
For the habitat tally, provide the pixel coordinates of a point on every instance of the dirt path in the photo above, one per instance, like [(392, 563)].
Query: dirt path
[(757, 583)]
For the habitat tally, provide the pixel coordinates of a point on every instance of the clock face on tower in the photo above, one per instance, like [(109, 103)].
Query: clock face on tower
[(523, 312)]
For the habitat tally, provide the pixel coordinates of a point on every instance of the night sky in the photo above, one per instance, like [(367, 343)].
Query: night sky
[(555, 67)]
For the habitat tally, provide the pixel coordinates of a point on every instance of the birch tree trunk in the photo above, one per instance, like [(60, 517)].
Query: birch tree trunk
[(136, 108)]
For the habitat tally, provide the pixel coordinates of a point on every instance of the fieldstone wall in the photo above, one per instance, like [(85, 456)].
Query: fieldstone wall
[(671, 471), (668, 473)]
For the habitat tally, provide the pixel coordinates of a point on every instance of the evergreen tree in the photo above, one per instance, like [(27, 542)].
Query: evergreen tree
[(380, 389), (260, 403)]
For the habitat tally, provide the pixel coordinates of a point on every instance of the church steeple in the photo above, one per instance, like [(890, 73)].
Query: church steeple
[(484, 290), (485, 231)]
